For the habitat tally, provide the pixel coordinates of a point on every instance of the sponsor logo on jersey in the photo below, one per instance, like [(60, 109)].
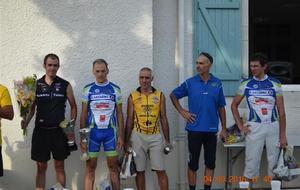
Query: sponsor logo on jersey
[(100, 96), (155, 99), (102, 105), (58, 95), (138, 100), (261, 92), (43, 95), (261, 100), (214, 84)]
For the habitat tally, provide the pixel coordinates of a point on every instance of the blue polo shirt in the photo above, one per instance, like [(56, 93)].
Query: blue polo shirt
[(204, 99)]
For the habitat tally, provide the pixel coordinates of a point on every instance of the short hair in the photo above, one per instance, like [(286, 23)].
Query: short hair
[(207, 55), (51, 56), (147, 69), (101, 61), (260, 57)]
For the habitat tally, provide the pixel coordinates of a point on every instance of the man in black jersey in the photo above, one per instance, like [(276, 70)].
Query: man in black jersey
[(51, 95)]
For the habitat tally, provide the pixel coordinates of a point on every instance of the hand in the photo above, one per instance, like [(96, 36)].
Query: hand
[(120, 143), (71, 136), (245, 129), (223, 135), (283, 141), (24, 124), (83, 146), (127, 145), (190, 117)]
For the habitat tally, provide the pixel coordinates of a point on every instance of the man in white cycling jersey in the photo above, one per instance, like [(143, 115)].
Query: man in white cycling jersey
[(266, 122), (102, 114)]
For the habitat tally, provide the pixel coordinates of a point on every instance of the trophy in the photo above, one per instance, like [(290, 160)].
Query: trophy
[(68, 128), (84, 137)]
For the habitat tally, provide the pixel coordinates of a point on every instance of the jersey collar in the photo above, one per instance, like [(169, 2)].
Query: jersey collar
[(265, 77), (139, 89), (102, 84), (211, 77)]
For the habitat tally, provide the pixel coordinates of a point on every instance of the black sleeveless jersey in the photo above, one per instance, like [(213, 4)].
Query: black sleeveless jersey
[(50, 102)]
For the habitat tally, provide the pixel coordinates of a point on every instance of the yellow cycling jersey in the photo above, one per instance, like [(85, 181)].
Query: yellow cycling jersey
[(5, 100), (146, 111)]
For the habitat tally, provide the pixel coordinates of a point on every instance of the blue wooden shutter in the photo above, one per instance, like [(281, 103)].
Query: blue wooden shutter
[(218, 31)]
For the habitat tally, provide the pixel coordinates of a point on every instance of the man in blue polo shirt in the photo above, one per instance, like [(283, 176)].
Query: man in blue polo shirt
[(206, 103)]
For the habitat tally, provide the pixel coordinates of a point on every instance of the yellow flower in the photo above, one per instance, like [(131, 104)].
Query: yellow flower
[(64, 123)]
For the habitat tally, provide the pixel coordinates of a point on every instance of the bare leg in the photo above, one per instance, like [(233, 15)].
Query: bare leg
[(40, 179), (113, 166), (192, 175), (89, 178), (140, 180), (162, 180), (60, 172), (209, 175)]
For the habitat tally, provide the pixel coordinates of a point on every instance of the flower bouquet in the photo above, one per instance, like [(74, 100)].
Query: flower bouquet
[(25, 94), (68, 128), (234, 134)]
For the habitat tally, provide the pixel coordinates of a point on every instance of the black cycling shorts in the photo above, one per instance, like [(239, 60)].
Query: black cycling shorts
[(195, 141), (47, 141)]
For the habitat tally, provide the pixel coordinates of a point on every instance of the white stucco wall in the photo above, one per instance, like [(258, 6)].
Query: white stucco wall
[(79, 32), (129, 35)]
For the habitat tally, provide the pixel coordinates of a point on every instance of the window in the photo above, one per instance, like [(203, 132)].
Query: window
[(274, 28)]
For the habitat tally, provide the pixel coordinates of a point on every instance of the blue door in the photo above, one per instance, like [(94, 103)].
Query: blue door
[(218, 31)]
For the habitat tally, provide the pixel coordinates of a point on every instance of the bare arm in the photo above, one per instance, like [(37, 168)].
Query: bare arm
[(120, 119), (25, 122), (282, 120), (190, 117), (236, 115), (163, 119), (83, 115), (83, 118), (129, 121), (7, 112), (222, 114), (72, 102), (235, 112)]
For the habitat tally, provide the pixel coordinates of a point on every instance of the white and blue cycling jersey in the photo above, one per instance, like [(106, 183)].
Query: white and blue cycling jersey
[(261, 98), (102, 99)]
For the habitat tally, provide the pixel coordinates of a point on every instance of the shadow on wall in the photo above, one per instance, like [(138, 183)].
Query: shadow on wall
[(100, 29), (18, 155), (118, 31)]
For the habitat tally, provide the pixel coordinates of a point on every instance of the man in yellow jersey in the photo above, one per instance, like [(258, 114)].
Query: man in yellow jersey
[(6, 112), (146, 112)]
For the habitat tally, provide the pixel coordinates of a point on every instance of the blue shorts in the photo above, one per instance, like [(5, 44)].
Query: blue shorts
[(106, 136)]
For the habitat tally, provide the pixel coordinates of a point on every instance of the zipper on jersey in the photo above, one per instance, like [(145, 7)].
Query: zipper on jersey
[(147, 114)]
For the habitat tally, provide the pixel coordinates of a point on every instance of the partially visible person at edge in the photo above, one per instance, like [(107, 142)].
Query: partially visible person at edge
[(146, 112), (266, 123), (206, 103), (102, 114), (6, 112), (51, 95)]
